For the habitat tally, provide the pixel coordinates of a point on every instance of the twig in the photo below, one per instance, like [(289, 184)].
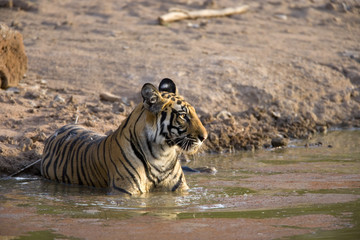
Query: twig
[(180, 14), (23, 169), (109, 97)]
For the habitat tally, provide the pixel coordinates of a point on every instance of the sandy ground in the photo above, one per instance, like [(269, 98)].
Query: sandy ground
[(284, 69)]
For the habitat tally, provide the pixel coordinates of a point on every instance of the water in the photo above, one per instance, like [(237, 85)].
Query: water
[(282, 189)]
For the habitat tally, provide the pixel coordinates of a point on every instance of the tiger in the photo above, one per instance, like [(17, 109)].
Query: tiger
[(141, 156)]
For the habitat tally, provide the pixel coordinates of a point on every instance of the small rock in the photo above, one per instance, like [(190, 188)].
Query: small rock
[(224, 115), (58, 98), (43, 82), (322, 129), (32, 95), (90, 123), (206, 169), (13, 90), (213, 138), (71, 100), (353, 73), (279, 142), (330, 6), (26, 144), (281, 16), (193, 25), (335, 97), (212, 4), (16, 24), (267, 145), (275, 115), (118, 108), (40, 137), (250, 148)]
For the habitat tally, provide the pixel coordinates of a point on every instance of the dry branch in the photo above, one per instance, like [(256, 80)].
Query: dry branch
[(109, 97), (205, 13)]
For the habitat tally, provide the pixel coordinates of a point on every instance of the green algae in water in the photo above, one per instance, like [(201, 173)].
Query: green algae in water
[(236, 191), (86, 212), (329, 191), (330, 209), (44, 235)]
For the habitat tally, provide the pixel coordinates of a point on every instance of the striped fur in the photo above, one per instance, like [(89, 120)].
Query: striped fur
[(140, 156)]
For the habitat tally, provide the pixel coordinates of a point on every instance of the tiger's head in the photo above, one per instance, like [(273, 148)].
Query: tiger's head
[(177, 123)]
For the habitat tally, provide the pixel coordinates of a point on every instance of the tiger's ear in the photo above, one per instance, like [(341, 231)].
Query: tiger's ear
[(151, 97), (167, 85)]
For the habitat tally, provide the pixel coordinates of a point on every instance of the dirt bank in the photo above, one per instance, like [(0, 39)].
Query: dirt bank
[(282, 70)]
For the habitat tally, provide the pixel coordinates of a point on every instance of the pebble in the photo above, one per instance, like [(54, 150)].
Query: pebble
[(40, 137), (224, 115), (43, 81), (58, 98), (322, 129), (193, 25), (330, 6), (279, 142), (275, 115), (26, 144), (281, 16), (13, 90)]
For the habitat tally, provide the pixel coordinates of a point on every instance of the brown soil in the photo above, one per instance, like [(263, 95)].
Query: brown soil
[(282, 70)]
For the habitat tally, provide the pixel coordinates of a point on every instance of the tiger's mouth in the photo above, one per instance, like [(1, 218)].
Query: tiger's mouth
[(188, 144)]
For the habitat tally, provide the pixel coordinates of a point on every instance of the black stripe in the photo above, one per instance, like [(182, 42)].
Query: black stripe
[(126, 122), (120, 189), (170, 122), (149, 145), (140, 155), (177, 185), (49, 154), (129, 172), (93, 165), (163, 116), (135, 145), (53, 154), (157, 128), (79, 168), (123, 164), (61, 151), (75, 149), (73, 159), (126, 159), (87, 176), (104, 156), (102, 159), (71, 149)]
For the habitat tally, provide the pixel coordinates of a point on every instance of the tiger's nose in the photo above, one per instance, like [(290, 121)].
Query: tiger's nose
[(202, 136)]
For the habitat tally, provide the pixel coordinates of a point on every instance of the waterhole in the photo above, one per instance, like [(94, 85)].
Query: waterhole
[(309, 190)]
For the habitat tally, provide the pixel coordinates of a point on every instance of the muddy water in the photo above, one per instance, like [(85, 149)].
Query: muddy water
[(311, 190)]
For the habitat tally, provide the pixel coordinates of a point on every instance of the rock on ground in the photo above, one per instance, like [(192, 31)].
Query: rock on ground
[(13, 60)]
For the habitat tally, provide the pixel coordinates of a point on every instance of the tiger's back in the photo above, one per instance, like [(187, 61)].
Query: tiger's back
[(72, 155)]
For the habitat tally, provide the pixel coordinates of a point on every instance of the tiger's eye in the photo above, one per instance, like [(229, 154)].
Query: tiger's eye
[(182, 116)]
